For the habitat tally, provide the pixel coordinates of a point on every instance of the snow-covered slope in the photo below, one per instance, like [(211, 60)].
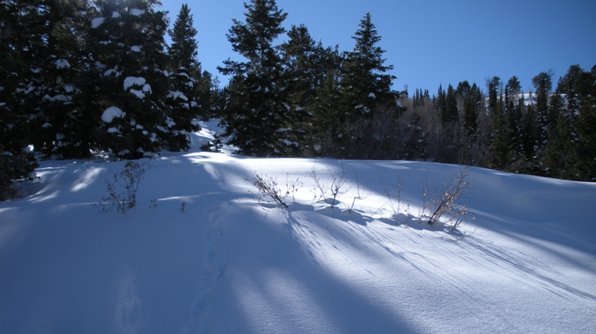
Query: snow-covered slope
[(202, 254)]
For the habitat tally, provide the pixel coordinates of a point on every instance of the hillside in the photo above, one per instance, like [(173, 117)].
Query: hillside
[(201, 253)]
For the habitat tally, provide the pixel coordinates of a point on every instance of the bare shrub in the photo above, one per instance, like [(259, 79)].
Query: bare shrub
[(268, 188), (336, 188), (444, 203), (122, 188)]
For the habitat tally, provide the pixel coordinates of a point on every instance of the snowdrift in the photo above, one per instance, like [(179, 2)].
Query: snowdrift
[(203, 253)]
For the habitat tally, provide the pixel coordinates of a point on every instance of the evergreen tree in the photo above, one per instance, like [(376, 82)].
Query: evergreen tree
[(586, 128), (514, 104), (129, 71), (63, 133), (188, 95), (328, 117), (543, 84), (450, 112), (302, 76), (365, 82), (472, 100), (579, 116), (366, 90), (22, 47), (499, 149), (257, 112), (554, 152)]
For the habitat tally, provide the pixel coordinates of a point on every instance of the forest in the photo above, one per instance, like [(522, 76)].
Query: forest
[(82, 79)]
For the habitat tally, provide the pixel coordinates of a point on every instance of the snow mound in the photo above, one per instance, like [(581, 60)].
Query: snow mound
[(202, 252), (62, 64), (133, 81), (137, 11), (96, 22), (110, 113)]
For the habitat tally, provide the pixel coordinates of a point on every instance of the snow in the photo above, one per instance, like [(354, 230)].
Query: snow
[(137, 11), (62, 64), (177, 95), (139, 94), (96, 22), (133, 81), (201, 253), (112, 112)]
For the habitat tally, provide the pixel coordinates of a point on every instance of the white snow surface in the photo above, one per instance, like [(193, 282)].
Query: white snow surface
[(137, 11), (62, 64), (133, 81), (202, 254), (112, 112), (96, 22)]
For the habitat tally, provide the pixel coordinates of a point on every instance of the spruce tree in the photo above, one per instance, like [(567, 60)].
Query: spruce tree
[(23, 48), (543, 84), (302, 79), (450, 113), (130, 76), (366, 91), (499, 149), (586, 129), (578, 114), (514, 105), (365, 82), (187, 97), (257, 111), (63, 133), (327, 114)]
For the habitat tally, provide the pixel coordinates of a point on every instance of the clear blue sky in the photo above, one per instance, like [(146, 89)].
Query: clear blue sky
[(429, 42)]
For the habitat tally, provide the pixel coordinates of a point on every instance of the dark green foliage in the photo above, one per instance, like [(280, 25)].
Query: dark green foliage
[(303, 74), (127, 40), (64, 127), (365, 82), (188, 96), (543, 84), (367, 100), (22, 49), (256, 111)]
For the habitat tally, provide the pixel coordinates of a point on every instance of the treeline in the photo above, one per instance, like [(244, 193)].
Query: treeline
[(81, 78), (548, 131)]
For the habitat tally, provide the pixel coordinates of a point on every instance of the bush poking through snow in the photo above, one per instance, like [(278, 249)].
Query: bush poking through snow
[(338, 181), (268, 188), (444, 204), (122, 188)]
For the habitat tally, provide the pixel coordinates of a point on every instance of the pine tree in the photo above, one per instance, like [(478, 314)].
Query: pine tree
[(62, 130), (579, 115), (450, 113), (586, 128), (302, 77), (327, 114), (513, 113), (22, 47), (499, 149), (257, 111), (366, 91), (129, 71), (365, 82), (188, 96), (543, 84)]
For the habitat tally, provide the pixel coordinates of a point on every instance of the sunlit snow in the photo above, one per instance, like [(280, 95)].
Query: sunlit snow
[(110, 113)]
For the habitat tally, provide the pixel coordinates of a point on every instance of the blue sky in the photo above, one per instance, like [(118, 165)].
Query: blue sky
[(429, 42)]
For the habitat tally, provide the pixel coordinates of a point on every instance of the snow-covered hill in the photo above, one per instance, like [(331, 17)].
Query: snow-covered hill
[(200, 253)]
